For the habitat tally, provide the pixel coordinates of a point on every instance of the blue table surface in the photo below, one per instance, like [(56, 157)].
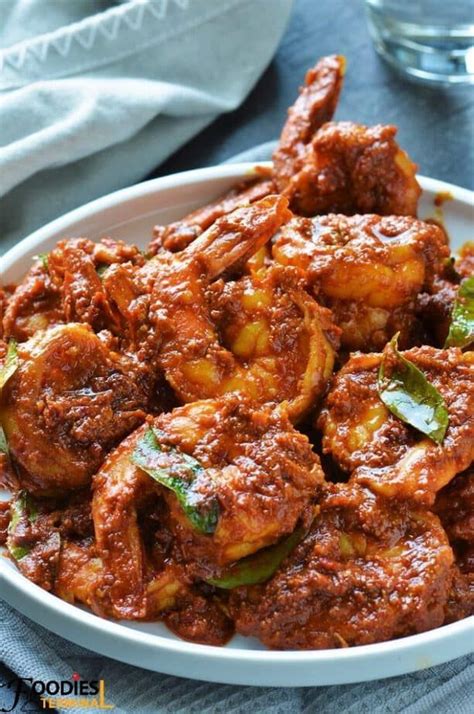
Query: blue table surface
[(436, 124)]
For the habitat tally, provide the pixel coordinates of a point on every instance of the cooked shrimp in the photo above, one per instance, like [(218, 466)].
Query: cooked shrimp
[(65, 286), (455, 506), (367, 269), (34, 304), (434, 308), (461, 597), (283, 342), (200, 619), (75, 266), (366, 572), (261, 471), (33, 540), (381, 451), (261, 335), (41, 530), (69, 401), (79, 573), (54, 547), (349, 168), (82, 578), (120, 489), (314, 107), (176, 236), (252, 477)]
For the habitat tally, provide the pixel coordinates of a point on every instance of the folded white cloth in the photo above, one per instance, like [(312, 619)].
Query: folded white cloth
[(92, 99)]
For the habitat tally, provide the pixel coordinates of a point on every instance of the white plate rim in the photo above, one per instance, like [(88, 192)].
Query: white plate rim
[(255, 667), (194, 176)]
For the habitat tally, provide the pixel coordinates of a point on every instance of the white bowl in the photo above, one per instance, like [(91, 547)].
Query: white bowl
[(130, 214)]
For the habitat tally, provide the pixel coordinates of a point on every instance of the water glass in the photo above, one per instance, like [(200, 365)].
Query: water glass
[(430, 40)]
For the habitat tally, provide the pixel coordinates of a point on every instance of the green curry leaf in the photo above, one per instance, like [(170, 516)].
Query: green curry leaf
[(102, 269), (43, 258), (3, 442), (258, 567), (180, 473), (461, 329), (411, 397), (22, 507), (11, 363)]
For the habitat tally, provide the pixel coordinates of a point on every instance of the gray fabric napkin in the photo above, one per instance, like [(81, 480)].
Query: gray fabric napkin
[(95, 94)]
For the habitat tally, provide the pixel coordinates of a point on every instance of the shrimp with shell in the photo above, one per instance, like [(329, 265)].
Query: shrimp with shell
[(455, 507)]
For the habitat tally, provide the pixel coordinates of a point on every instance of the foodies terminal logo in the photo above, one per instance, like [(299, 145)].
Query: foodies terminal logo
[(23, 693)]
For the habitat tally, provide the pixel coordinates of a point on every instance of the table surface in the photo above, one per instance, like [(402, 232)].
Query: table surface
[(436, 124)]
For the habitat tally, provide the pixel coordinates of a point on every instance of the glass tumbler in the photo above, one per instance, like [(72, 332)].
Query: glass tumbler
[(430, 40)]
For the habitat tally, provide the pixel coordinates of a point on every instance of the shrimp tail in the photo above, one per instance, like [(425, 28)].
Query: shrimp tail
[(314, 107)]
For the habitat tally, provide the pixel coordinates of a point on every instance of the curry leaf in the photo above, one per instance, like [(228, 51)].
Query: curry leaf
[(43, 258), (411, 397), (101, 270), (11, 363), (3, 442), (461, 330), (180, 473), (22, 507), (258, 567)]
